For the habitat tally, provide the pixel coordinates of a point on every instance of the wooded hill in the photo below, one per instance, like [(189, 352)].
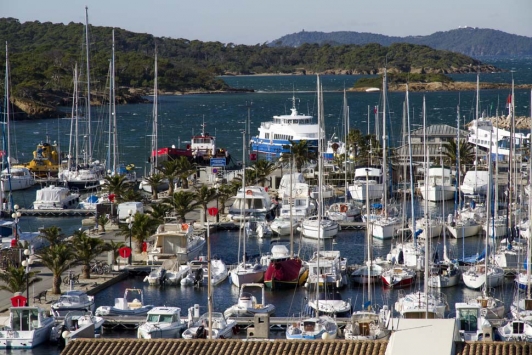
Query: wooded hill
[(43, 55), (475, 42)]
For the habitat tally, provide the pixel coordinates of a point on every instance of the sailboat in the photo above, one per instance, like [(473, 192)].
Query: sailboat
[(386, 226), (12, 177), (320, 226), (324, 326), (245, 272), (144, 184), (81, 171)]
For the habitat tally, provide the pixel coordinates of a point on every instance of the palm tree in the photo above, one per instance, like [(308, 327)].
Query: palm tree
[(102, 221), (14, 279), (132, 195), (116, 185), (142, 227), (182, 202), (52, 234), (467, 153), (57, 258), (262, 169), (158, 211), (115, 247), (185, 168), (299, 153), (86, 249), (154, 180), (225, 192), (204, 195), (170, 170)]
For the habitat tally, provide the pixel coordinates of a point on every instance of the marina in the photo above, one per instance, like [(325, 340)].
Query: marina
[(290, 304)]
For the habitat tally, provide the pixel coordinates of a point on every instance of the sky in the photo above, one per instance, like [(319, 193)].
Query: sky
[(258, 21)]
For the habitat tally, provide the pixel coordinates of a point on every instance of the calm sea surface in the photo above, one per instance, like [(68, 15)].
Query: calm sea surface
[(225, 116)]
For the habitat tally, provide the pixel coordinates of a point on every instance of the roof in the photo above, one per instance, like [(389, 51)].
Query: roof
[(441, 130), (222, 347), (435, 334), (261, 347)]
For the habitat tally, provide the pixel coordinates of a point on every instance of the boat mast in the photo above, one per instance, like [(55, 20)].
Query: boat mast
[(476, 134), (89, 157), (320, 184), (488, 215), (529, 254), (384, 165), (113, 116), (7, 144), (154, 147), (346, 131), (412, 188)]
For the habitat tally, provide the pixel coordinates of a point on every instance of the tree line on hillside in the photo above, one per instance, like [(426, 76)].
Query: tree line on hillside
[(475, 42), (43, 55)]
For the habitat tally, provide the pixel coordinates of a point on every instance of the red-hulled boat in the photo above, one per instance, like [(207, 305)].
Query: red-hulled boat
[(398, 276), (201, 150), (283, 270)]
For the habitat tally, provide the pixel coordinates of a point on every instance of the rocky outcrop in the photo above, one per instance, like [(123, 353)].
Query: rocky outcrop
[(29, 109)]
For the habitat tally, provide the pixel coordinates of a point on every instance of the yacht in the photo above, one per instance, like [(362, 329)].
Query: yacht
[(373, 178), (16, 178), (275, 135), (162, 322), (25, 328), (314, 328), (77, 324), (248, 305), (251, 200), (72, 300), (417, 304), (55, 198), (283, 270), (327, 269), (323, 229), (176, 241), (221, 328), (440, 185)]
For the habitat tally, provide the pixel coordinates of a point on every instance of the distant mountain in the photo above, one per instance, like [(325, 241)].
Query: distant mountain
[(474, 42)]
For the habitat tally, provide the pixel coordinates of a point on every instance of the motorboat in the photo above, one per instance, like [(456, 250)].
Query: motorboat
[(26, 328), (219, 271), (248, 305), (157, 276), (77, 325), (199, 273), (275, 136), (516, 330), (132, 304), (475, 182), (429, 227), (410, 254), (73, 300), (439, 184), (175, 241), (386, 227), (246, 272), (54, 197), (322, 327), (368, 325), (297, 203), (368, 180), (287, 185), (222, 328), (327, 269), (324, 228), (283, 225), (45, 162), (462, 227), (83, 176), (343, 212), (471, 323), (492, 308), (16, 178), (330, 303), (251, 200), (162, 323), (283, 270)]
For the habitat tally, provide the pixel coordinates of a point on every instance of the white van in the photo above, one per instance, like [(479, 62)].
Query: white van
[(123, 210)]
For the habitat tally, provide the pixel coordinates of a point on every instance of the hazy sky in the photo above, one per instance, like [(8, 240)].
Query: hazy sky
[(259, 21)]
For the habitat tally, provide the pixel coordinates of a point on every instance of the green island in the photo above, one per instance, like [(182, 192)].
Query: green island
[(42, 57)]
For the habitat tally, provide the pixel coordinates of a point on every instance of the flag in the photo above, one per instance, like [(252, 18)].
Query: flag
[(509, 101), (375, 109)]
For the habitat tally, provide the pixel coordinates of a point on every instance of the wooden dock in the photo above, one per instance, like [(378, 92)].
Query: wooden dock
[(57, 213)]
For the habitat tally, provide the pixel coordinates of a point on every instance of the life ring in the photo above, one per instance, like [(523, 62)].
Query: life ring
[(184, 226), (249, 192), (343, 208)]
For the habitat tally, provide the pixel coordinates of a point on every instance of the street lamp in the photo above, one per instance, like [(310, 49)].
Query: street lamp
[(26, 263), (16, 215), (130, 226)]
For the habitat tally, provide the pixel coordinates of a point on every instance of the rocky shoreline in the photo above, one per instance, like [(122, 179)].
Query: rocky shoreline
[(504, 122), (450, 86)]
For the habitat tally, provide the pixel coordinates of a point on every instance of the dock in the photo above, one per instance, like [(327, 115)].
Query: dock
[(57, 212)]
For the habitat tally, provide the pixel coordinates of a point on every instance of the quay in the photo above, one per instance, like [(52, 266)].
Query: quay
[(57, 212)]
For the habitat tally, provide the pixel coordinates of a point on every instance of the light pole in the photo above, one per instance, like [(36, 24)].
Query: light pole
[(26, 263), (130, 226), (16, 215)]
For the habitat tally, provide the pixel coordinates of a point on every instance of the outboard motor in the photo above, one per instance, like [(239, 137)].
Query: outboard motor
[(198, 277)]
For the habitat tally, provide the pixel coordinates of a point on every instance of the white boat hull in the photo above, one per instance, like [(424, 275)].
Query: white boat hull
[(328, 231), (247, 275), (437, 193), (386, 229), (463, 230), (358, 191)]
